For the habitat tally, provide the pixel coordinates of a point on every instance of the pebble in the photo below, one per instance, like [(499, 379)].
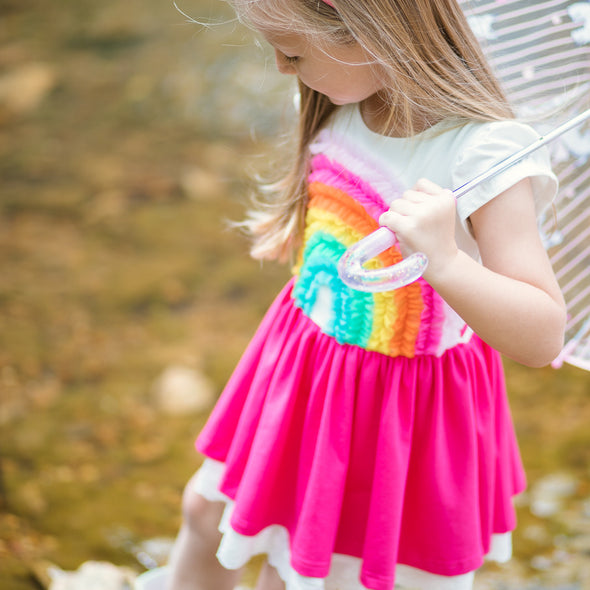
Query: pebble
[(180, 390), (566, 565), (23, 88), (200, 184), (92, 575), (547, 495), (158, 549)]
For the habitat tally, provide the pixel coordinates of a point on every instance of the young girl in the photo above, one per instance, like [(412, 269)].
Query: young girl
[(364, 440)]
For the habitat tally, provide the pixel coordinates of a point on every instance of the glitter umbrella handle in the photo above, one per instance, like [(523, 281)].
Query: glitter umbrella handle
[(355, 275)]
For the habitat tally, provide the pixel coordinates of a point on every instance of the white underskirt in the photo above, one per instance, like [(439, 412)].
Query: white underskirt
[(235, 550)]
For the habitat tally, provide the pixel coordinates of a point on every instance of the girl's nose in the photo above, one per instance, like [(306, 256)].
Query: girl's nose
[(283, 66)]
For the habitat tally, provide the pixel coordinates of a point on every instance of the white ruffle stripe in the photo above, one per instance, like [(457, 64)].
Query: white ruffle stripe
[(235, 550)]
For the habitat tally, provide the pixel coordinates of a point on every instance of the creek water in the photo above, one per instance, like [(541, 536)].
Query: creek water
[(127, 135)]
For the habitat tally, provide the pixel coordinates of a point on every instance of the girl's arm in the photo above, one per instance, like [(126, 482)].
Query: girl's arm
[(512, 301)]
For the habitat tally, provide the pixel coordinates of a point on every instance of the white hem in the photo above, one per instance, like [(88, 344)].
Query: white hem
[(235, 550)]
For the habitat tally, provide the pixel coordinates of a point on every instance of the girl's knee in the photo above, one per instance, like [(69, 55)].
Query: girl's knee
[(200, 515)]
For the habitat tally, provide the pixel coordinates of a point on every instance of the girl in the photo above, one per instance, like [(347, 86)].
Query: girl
[(364, 440)]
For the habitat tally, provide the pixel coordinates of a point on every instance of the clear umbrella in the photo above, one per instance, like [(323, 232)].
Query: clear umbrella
[(541, 52)]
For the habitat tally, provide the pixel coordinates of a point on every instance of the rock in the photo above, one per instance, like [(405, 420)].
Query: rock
[(200, 184), (581, 544), (545, 507), (541, 562), (150, 553), (180, 390), (157, 550), (92, 575), (537, 533), (548, 493), (32, 497), (146, 452), (511, 575), (23, 88)]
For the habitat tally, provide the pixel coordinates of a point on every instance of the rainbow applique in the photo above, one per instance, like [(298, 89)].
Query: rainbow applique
[(342, 209)]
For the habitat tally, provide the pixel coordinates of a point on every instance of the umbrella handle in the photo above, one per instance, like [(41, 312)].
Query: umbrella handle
[(352, 273)]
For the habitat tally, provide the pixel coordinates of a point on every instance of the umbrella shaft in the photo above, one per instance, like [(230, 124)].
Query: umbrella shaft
[(520, 155)]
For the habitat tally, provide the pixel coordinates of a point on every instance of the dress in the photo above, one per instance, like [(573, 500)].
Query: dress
[(365, 440)]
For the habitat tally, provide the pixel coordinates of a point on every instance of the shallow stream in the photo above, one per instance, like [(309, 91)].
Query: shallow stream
[(126, 136)]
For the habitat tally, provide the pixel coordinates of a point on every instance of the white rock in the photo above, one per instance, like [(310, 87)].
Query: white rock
[(92, 575), (158, 549), (548, 493), (545, 507), (541, 562), (181, 390)]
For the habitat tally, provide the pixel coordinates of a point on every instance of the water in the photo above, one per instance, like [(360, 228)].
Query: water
[(126, 136)]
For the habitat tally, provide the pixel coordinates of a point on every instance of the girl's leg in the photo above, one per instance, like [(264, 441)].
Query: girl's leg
[(193, 564), (269, 579)]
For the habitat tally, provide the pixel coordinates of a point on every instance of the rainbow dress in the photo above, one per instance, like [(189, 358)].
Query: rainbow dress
[(364, 440)]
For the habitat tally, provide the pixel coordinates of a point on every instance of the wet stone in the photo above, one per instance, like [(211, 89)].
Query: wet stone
[(181, 390), (548, 493), (92, 575)]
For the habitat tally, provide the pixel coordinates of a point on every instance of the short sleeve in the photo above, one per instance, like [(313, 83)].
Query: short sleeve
[(491, 143)]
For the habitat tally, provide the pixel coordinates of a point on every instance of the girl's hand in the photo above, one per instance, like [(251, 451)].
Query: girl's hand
[(424, 221), (511, 298)]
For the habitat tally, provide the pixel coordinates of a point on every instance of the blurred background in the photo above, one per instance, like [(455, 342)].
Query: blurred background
[(128, 136)]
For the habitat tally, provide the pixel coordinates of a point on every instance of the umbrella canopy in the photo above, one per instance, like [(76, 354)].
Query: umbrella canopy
[(541, 53)]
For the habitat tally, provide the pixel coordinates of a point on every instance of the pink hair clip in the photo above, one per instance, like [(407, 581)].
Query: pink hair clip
[(329, 3)]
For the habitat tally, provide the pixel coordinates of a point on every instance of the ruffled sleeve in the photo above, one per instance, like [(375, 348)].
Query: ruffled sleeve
[(491, 143)]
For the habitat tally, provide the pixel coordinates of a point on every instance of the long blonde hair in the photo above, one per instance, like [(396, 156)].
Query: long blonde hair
[(432, 67)]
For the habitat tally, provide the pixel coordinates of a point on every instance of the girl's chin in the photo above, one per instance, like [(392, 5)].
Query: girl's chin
[(338, 101)]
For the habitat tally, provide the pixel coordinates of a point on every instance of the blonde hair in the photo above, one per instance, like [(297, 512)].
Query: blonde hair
[(431, 65)]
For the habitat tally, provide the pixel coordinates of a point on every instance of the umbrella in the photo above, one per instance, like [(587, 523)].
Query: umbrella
[(541, 53)]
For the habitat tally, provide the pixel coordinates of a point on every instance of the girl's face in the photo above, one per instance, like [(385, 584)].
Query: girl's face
[(341, 72)]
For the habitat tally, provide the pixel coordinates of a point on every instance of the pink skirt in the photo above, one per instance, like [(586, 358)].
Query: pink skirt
[(388, 459)]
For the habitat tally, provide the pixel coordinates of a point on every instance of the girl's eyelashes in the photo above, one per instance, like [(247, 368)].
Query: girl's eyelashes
[(291, 59)]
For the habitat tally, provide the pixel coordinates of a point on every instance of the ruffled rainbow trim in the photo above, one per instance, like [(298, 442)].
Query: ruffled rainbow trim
[(342, 209)]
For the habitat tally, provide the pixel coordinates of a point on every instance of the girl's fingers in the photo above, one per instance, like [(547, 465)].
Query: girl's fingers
[(427, 186), (405, 205), (389, 218), (399, 223), (425, 192), (413, 196), (422, 191), (423, 220)]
